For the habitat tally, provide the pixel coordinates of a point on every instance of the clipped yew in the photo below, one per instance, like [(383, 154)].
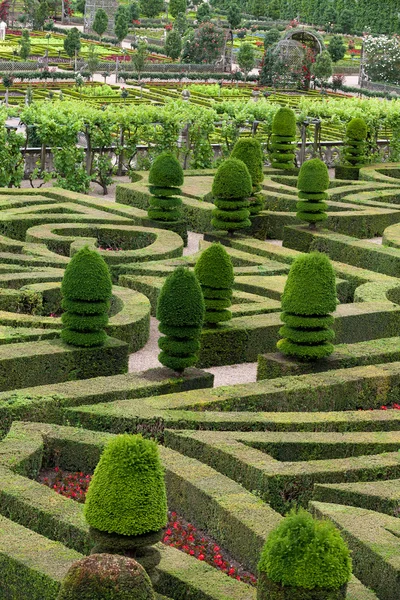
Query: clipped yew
[(126, 505), (106, 577), (307, 301), (355, 147), (312, 183), (86, 294), (180, 311), (283, 139), (231, 189), (214, 270), (304, 559), (250, 152)]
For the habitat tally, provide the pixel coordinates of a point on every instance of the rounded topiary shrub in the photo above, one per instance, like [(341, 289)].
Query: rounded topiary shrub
[(86, 293), (127, 493), (231, 189), (214, 270), (304, 559), (180, 311), (106, 577), (250, 152), (283, 139), (355, 145), (312, 183), (307, 301)]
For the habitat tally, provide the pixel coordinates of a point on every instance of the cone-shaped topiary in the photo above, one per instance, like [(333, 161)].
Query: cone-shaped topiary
[(308, 298), (283, 138), (214, 270), (127, 492), (355, 145), (304, 558), (231, 189), (180, 310), (312, 182), (106, 577), (165, 178), (249, 151), (86, 292)]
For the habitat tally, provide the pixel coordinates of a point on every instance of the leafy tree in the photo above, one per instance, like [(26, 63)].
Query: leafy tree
[(25, 45), (86, 295), (246, 58), (347, 20), (231, 189), (203, 13), (151, 8), (100, 22), (214, 270), (269, 63), (204, 45), (139, 58), (312, 183), (283, 139), (337, 48), (258, 8), (329, 17), (134, 12), (93, 60), (234, 16), (173, 44), (72, 42), (121, 23), (40, 11), (250, 152), (70, 169), (180, 311), (80, 6), (322, 68), (180, 23), (11, 159), (177, 6), (271, 37)]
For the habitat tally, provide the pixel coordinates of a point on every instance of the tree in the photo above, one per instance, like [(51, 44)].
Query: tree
[(180, 311), (134, 12), (271, 37), (121, 23), (25, 45), (347, 20), (258, 8), (205, 45), (4, 10), (322, 68), (173, 44), (72, 42), (268, 69), (151, 8), (40, 12), (93, 60), (234, 16), (337, 48), (312, 183), (203, 13), (181, 23), (139, 58), (246, 58), (86, 295), (329, 17), (165, 179), (100, 22), (354, 149), (231, 189), (283, 139), (214, 270), (250, 152), (80, 6), (177, 6)]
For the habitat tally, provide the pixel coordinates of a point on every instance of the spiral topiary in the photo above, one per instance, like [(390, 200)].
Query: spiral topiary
[(312, 183), (214, 271), (231, 189), (355, 145), (308, 298), (86, 294), (249, 151), (304, 558), (283, 138), (180, 311), (106, 577)]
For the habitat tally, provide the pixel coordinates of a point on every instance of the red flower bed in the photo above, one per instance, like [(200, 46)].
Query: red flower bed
[(178, 534)]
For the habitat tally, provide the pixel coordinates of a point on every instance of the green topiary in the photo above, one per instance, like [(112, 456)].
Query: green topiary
[(308, 298), (355, 144), (127, 493), (305, 558), (106, 577), (250, 152), (312, 182), (180, 310), (86, 291), (231, 189), (214, 270), (165, 177), (283, 138)]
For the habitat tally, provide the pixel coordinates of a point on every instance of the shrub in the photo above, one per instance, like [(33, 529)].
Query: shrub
[(305, 553), (127, 493), (165, 177), (249, 151), (283, 147), (312, 182), (180, 310), (214, 271), (355, 145), (308, 298), (106, 577), (231, 188), (86, 291)]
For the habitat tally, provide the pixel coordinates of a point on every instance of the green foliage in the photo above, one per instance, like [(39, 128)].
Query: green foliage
[(86, 291), (272, 36), (25, 45), (307, 553), (181, 23), (322, 68), (249, 151), (346, 20), (70, 171), (234, 16), (106, 577), (246, 58), (203, 13), (134, 12), (121, 23), (100, 22), (231, 188), (337, 48), (177, 7), (93, 60), (139, 58), (173, 44), (268, 70), (204, 45), (180, 310), (308, 298), (72, 42), (214, 270), (355, 144), (284, 123), (11, 159), (282, 144), (151, 8), (127, 492), (312, 182), (258, 8), (166, 171)]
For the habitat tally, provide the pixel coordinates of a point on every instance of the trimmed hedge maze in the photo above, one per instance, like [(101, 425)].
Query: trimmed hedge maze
[(237, 458)]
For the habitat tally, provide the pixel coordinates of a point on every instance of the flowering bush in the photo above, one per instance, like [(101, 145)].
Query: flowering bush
[(382, 58), (168, 27), (241, 33)]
